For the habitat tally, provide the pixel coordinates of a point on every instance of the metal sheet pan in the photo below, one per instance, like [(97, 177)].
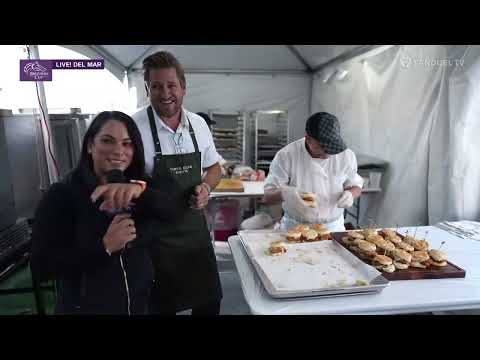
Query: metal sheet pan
[(306, 278)]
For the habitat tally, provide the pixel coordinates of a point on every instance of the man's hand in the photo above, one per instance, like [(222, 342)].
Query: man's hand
[(119, 233), (116, 196), (200, 197), (345, 200), (296, 207)]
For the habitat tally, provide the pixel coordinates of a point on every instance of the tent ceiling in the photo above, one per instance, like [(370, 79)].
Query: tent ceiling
[(238, 57), (258, 58), (320, 54), (126, 54)]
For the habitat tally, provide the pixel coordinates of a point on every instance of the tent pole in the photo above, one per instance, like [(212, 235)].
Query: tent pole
[(297, 54), (45, 126)]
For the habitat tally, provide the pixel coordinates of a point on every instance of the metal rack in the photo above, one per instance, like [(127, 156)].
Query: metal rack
[(271, 134), (229, 135)]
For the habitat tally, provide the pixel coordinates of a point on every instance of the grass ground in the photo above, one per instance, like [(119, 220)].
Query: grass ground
[(22, 304)]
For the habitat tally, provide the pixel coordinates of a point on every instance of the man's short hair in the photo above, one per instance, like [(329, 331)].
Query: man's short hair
[(163, 60)]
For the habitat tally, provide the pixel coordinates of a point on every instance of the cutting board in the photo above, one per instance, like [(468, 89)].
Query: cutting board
[(230, 185), (412, 273)]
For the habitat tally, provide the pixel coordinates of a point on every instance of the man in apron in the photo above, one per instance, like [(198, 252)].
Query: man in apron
[(179, 147), (319, 163)]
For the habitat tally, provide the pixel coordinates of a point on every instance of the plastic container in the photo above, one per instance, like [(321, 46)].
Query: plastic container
[(375, 178), (227, 217)]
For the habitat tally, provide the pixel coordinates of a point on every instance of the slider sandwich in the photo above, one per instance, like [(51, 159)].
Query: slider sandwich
[(404, 246), (324, 235), (366, 248), (385, 245), (383, 263), (409, 239), (381, 243), (402, 259), (374, 238), (300, 228), (394, 239), (388, 232), (437, 258), (368, 232), (294, 236), (347, 240), (309, 199), (421, 245), (277, 248), (356, 235), (309, 235), (420, 259)]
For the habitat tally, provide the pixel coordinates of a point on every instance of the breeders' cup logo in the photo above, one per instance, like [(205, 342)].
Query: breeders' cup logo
[(34, 67), (38, 70)]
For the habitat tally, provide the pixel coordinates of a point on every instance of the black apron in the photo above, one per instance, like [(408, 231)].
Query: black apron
[(186, 273)]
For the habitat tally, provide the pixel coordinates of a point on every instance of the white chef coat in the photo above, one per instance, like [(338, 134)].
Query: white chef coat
[(294, 166), (168, 138)]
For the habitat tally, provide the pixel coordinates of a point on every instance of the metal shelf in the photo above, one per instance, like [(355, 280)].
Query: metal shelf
[(271, 134), (229, 135)]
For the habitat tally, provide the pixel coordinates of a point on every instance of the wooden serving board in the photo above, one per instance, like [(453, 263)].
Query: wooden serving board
[(412, 273), (230, 185)]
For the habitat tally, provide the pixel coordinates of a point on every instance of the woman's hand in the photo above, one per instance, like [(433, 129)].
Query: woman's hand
[(119, 233), (116, 196)]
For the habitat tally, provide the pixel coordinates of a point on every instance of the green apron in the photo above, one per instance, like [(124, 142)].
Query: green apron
[(186, 273)]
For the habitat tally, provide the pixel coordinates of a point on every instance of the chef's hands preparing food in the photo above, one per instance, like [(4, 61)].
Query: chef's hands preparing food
[(348, 196), (345, 200), (299, 206)]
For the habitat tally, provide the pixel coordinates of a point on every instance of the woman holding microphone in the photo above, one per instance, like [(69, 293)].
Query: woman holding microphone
[(91, 231)]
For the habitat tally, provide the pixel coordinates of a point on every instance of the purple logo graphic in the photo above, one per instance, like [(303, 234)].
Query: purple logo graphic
[(41, 70), (35, 70)]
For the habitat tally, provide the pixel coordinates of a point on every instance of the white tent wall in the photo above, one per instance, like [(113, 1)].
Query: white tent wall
[(394, 107), (454, 186), (236, 92)]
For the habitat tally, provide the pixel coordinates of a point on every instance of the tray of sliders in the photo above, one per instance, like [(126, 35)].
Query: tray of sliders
[(307, 262), (398, 257)]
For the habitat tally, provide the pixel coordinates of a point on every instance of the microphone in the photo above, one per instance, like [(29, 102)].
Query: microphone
[(116, 176)]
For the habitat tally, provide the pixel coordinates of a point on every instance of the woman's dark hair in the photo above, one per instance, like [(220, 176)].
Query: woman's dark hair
[(136, 170)]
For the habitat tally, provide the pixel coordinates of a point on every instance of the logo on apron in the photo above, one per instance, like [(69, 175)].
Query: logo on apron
[(181, 170)]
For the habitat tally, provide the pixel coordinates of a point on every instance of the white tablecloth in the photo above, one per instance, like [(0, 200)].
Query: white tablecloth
[(405, 296)]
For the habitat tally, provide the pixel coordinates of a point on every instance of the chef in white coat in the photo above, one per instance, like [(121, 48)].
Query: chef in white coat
[(319, 163)]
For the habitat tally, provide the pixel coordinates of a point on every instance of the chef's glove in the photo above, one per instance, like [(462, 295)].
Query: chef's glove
[(346, 200), (296, 207)]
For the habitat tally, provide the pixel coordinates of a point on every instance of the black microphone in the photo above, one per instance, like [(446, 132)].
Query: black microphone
[(116, 176)]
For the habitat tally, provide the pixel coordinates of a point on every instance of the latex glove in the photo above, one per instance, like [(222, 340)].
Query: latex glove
[(346, 200), (296, 207)]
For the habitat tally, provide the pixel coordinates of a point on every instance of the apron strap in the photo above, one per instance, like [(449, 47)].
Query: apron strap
[(153, 128), (156, 141), (192, 134)]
